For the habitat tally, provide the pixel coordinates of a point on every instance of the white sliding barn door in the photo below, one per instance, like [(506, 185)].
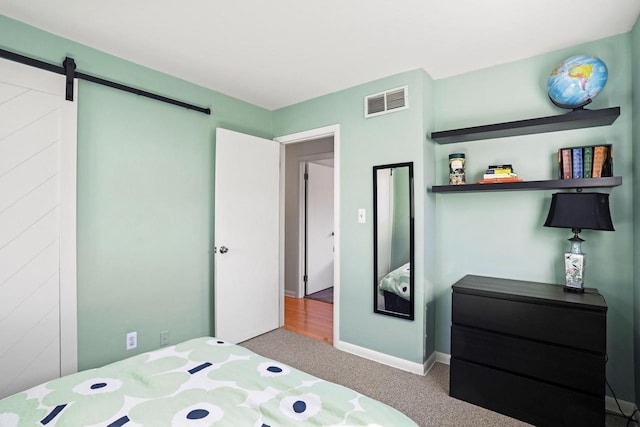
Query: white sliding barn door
[(247, 206), (38, 332)]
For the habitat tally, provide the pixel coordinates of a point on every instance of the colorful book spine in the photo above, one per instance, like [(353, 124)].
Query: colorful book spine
[(599, 155), (576, 163), (498, 175), (500, 180), (587, 162), (498, 171), (500, 167), (607, 166), (559, 164), (566, 163), (593, 161)]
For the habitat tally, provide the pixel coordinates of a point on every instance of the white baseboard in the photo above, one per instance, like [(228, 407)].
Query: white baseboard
[(290, 293), (443, 358), (385, 359), (627, 407), (428, 364)]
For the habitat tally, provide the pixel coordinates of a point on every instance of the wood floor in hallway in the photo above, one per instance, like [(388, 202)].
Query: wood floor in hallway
[(308, 317)]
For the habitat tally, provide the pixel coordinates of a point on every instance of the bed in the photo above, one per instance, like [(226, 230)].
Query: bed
[(204, 381), (396, 289)]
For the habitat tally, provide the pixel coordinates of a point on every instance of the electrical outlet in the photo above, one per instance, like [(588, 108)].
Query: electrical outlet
[(132, 340), (164, 338)]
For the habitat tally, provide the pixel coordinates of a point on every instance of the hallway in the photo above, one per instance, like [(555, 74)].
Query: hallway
[(308, 317)]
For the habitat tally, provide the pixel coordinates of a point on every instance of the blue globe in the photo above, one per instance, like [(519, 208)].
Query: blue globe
[(576, 81)]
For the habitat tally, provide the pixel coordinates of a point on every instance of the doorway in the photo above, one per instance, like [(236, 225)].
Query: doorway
[(317, 146), (316, 242)]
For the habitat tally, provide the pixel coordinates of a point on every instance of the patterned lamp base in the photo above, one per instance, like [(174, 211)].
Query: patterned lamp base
[(574, 263)]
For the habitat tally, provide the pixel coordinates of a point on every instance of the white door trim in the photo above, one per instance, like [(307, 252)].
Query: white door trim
[(326, 131)]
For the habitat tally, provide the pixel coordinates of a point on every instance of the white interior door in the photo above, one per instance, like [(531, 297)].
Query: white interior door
[(320, 232), (247, 192), (37, 228)]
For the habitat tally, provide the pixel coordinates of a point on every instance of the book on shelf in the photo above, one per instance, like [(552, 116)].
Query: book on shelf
[(566, 163), (499, 180), (498, 171), (500, 167), (499, 175), (593, 161), (587, 162), (607, 165), (598, 160), (599, 155), (560, 164), (576, 163)]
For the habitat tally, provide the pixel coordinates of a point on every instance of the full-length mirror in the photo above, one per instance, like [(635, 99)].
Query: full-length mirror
[(393, 240)]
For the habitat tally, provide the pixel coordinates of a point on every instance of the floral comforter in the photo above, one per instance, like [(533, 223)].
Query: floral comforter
[(204, 381)]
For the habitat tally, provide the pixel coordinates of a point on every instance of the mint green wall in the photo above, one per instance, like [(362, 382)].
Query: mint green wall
[(145, 198), (391, 138), (500, 233), (635, 81)]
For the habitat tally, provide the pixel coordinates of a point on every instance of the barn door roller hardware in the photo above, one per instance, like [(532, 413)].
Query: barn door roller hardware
[(68, 69)]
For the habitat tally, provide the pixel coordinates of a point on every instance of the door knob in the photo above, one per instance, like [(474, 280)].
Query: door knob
[(224, 249)]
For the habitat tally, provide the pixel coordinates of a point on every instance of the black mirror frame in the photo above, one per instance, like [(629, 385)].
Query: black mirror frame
[(411, 315)]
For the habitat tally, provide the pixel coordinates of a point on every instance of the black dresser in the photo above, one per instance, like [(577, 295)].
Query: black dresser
[(529, 350)]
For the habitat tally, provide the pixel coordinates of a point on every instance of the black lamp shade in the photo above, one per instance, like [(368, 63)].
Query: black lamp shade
[(580, 210)]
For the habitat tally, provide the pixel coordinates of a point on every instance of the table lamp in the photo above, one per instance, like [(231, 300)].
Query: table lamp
[(578, 211)]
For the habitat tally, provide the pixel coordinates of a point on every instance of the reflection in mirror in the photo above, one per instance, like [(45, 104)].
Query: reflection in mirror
[(393, 240)]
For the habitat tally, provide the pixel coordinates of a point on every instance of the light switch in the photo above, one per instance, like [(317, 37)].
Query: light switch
[(362, 216)]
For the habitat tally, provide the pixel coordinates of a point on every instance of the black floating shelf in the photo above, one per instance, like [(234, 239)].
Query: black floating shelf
[(556, 184), (577, 119)]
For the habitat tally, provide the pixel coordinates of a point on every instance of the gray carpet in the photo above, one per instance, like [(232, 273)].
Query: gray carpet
[(425, 399), (325, 295)]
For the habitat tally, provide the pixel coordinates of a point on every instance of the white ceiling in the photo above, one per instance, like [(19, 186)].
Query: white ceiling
[(279, 52)]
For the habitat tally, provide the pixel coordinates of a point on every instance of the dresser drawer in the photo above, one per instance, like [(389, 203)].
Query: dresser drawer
[(563, 366), (567, 326), (519, 397)]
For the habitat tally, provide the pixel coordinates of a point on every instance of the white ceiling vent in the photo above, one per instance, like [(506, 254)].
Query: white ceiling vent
[(386, 102)]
